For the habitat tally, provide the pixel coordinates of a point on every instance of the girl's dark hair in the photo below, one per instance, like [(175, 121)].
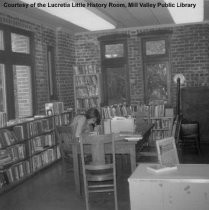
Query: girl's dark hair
[(93, 113)]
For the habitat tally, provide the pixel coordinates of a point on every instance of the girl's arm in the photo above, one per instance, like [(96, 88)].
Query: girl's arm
[(80, 124)]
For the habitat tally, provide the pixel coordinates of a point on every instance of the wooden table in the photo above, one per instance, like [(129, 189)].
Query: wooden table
[(121, 147), (184, 189)]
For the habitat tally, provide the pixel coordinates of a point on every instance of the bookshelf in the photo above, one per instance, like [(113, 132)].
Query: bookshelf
[(87, 91), (117, 110), (28, 146), (162, 119)]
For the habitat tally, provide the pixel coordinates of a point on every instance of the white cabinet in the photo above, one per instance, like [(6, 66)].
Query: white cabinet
[(184, 189)]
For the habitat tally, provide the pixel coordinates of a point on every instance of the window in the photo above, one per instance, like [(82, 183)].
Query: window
[(156, 47), (1, 40), (114, 50), (2, 89), (115, 77), (20, 43), (22, 90), (51, 73), (156, 68), (16, 84), (156, 81)]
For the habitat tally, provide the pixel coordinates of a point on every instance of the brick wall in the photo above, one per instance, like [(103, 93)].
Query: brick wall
[(65, 59), (189, 52)]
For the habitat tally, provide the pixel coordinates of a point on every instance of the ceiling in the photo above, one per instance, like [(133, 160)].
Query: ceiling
[(121, 17), (141, 16)]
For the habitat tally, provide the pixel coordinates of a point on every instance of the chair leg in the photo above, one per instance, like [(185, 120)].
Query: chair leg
[(198, 145), (115, 197), (86, 195)]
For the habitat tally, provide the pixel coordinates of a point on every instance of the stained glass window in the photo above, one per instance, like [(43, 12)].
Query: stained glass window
[(20, 43), (114, 51), (155, 47), (157, 85)]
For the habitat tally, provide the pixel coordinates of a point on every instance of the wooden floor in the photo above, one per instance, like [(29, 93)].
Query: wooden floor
[(53, 188)]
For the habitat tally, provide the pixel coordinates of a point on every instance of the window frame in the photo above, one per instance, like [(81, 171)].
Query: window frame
[(9, 58), (52, 84), (116, 62), (156, 59)]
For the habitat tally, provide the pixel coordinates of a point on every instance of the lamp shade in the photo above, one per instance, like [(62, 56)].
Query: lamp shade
[(181, 77)]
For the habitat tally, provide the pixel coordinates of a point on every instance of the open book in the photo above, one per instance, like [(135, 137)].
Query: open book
[(160, 169), (167, 156)]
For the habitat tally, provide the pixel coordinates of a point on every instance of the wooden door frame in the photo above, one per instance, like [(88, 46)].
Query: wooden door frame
[(113, 62)]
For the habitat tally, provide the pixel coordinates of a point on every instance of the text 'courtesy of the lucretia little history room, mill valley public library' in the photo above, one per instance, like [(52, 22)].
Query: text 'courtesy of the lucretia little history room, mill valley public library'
[(98, 4)]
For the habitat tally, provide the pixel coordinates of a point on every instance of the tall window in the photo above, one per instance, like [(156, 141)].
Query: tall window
[(2, 89), (156, 68), (114, 69), (16, 72), (51, 73)]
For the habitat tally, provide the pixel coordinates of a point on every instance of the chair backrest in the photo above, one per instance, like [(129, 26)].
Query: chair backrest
[(95, 146), (189, 129)]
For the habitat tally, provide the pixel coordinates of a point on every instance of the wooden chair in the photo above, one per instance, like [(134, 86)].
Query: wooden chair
[(99, 173), (190, 135)]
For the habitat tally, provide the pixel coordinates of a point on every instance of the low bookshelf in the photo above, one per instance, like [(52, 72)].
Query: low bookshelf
[(28, 146)]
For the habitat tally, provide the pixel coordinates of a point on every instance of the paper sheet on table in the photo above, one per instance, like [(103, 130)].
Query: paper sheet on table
[(133, 138)]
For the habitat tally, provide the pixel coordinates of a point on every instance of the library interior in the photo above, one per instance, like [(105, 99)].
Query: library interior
[(104, 105)]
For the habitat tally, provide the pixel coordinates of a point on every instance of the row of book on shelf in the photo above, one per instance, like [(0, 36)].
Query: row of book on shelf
[(51, 109), (164, 123), (19, 151), (25, 131), (39, 143), (160, 110), (86, 103), (117, 110), (85, 69), (87, 91), (25, 168), (90, 80), (131, 110)]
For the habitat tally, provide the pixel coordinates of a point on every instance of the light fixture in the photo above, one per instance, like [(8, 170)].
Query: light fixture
[(179, 79), (186, 11), (78, 15)]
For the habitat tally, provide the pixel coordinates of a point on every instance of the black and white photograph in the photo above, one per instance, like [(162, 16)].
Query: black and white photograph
[(104, 104)]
